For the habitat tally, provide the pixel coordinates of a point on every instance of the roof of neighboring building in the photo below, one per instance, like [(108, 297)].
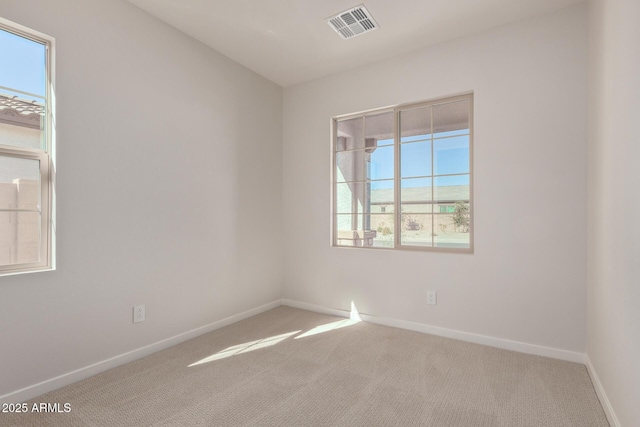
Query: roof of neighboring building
[(449, 193), (21, 112)]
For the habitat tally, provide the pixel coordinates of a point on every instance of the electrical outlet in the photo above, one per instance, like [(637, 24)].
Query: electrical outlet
[(432, 298), (138, 313)]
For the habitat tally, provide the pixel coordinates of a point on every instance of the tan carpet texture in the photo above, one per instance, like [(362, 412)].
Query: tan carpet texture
[(289, 367)]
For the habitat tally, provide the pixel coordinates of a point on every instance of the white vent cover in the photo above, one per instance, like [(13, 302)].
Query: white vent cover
[(352, 22)]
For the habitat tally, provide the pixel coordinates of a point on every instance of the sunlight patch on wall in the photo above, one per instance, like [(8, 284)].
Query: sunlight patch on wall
[(354, 314)]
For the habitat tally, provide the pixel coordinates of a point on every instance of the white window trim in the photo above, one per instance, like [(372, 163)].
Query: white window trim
[(396, 109), (45, 157)]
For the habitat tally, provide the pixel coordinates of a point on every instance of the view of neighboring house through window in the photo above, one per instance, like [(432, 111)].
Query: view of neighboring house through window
[(26, 165), (402, 177)]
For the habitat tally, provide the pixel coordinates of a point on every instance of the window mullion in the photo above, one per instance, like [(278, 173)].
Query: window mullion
[(433, 173), (396, 181)]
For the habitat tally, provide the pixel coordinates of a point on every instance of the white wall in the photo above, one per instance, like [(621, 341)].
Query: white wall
[(167, 150), (527, 279), (614, 205), (169, 192)]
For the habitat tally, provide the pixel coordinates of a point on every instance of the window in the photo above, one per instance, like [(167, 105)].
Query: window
[(26, 150), (402, 177)]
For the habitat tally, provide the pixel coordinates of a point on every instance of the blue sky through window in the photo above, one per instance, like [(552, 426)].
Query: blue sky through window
[(451, 157), (23, 64)]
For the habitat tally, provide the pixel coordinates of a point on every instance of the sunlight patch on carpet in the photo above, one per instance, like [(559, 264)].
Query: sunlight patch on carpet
[(320, 329), (245, 348)]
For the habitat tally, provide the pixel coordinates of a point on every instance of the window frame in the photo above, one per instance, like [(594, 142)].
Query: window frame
[(45, 156), (397, 212)]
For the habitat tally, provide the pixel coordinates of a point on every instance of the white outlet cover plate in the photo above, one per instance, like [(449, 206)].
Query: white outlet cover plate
[(138, 313), (432, 297)]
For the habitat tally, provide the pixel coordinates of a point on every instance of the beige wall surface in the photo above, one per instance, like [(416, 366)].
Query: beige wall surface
[(526, 280), (613, 344), (166, 150)]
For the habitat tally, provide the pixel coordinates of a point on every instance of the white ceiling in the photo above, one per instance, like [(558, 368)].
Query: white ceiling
[(290, 42)]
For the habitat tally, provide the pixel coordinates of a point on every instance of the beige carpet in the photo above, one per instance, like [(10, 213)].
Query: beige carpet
[(284, 368)]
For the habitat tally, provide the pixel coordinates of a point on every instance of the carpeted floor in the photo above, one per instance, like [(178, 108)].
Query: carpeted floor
[(289, 367)]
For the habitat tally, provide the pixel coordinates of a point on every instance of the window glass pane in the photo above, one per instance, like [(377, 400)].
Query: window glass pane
[(451, 188), (28, 63), (415, 190), (379, 128), (350, 166), (384, 227), (382, 196), (351, 197), (19, 237), (20, 136), (416, 195), (415, 124), (22, 116), (451, 155), (384, 208), (414, 207), (382, 193), (451, 118), (381, 165), (345, 229), (415, 159), (416, 230), (386, 185), (349, 222), (343, 242), (353, 222), (452, 230), (354, 230), (19, 183), (350, 134), (384, 142)]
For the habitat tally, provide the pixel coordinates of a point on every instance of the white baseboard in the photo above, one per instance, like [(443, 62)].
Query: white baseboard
[(96, 368), (518, 346), (604, 400), (315, 308), (32, 391)]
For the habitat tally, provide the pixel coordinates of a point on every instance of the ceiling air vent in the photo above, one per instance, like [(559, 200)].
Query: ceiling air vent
[(353, 22)]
